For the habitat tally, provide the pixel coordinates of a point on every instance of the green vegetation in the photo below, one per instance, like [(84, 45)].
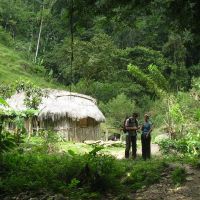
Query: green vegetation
[(144, 174), (138, 56), (14, 67), (79, 170), (36, 165), (94, 171), (178, 175)]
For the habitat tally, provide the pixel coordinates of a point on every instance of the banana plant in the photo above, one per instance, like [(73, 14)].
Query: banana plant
[(3, 102)]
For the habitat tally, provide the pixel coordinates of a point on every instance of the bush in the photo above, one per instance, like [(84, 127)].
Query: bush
[(144, 174), (7, 141), (178, 176), (189, 144), (161, 137), (78, 177), (34, 172), (197, 115), (5, 38), (117, 109), (31, 171), (104, 173)]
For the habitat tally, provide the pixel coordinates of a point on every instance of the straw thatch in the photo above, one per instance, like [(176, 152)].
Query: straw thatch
[(74, 116), (60, 104)]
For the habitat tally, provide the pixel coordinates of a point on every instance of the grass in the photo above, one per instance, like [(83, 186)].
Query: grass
[(14, 67), (77, 148), (143, 173), (78, 174), (68, 174), (178, 176)]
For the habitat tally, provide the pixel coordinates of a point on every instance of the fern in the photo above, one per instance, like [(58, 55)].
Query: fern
[(158, 77), (145, 79)]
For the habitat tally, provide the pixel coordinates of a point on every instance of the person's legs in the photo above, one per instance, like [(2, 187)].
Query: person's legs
[(143, 139), (128, 145), (148, 147), (134, 146)]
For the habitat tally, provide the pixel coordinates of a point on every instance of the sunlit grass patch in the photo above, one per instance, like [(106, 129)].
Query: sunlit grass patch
[(14, 67), (143, 173)]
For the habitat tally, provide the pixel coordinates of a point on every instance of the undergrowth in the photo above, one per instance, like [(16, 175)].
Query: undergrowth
[(144, 173), (89, 176), (178, 176)]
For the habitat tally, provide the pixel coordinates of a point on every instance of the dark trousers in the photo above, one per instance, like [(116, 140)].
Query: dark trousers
[(146, 146), (131, 141)]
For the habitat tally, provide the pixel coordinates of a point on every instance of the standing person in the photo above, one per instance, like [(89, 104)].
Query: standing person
[(131, 126), (146, 137)]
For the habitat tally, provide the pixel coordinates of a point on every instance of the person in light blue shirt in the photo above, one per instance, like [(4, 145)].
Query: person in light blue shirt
[(146, 137)]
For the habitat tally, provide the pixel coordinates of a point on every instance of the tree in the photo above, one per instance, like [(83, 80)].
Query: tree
[(93, 60), (40, 30), (154, 81), (117, 109)]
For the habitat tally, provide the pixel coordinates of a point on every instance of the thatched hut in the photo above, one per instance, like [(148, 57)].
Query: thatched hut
[(74, 116)]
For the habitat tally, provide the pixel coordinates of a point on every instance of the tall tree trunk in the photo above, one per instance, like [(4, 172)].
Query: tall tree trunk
[(72, 41), (39, 35), (31, 40)]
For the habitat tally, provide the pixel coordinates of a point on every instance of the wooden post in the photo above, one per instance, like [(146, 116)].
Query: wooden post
[(120, 137), (30, 128), (37, 128), (106, 135)]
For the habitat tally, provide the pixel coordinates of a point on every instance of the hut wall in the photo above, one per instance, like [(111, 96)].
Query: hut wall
[(72, 130)]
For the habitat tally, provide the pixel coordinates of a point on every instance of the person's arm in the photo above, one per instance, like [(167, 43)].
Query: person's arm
[(130, 128), (148, 134), (138, 126), (133, 128), (142, 127)]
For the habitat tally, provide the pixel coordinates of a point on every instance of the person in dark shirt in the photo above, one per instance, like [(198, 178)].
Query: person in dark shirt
[(131, 126), (146, 137)]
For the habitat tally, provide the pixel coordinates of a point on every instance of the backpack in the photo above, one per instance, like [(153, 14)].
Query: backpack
[(131, 122), (124, 126)]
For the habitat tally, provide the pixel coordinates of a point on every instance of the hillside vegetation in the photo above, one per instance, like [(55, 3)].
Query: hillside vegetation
[(14, 67)]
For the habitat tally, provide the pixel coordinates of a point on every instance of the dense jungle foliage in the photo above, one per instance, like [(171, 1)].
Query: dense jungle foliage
[(108, 35), (159, 38), (131, 55)]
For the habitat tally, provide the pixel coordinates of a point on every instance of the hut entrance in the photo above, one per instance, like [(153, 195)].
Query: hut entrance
[(86, 122)]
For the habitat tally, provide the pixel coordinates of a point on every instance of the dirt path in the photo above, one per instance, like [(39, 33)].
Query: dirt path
[(165, 190)]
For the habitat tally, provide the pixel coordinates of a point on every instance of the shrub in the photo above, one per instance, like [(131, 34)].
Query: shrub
[(115, 110), (35, 171), (7, 142), (104, 173), (5, 38), (178, 176), (144, 174), (189, 144)]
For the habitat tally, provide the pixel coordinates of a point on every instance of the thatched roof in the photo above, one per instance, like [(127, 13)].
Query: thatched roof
[(59, 104)]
